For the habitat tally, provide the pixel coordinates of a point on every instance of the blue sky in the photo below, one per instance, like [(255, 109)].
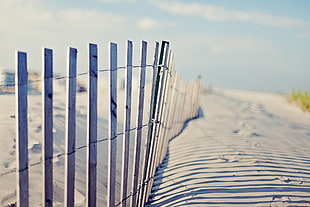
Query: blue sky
[(259, 45)]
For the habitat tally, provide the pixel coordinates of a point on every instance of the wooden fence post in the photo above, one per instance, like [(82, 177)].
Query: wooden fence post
[(199, 86), (127, 119), (21, 82), (137, 152), (149, 141), (92, 122), (47, 144), (70, 129), (157, 109), (161, 107), (112, 125), (175, 107), (164, 106)]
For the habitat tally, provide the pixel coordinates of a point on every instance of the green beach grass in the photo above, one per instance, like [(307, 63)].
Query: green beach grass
[(302, 98)]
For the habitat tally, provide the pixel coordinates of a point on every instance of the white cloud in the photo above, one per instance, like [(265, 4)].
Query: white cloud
[(17, 15), (29, 26), (151, 24), (303, 35), (216, 49), (215, 13)]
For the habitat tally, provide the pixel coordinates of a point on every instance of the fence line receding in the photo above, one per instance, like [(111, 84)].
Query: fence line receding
[(153, 114)]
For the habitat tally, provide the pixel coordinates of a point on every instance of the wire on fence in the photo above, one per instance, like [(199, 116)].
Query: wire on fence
[(80, 74), (75, 150)]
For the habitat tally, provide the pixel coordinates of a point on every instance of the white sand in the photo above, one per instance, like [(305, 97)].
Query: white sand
[(7, 144), (249, 149)]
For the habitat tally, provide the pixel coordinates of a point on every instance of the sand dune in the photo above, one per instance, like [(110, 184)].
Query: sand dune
[(249, 149)]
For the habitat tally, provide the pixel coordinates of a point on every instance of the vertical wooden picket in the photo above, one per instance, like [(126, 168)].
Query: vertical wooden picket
[(21, 80), (168, 109), (154, 115), (127, 119), (137, 152), (92, 120), (70, 128), (158, 111), (112, 126), (165, 94), (197, 102), (149, 141), (47, 144)]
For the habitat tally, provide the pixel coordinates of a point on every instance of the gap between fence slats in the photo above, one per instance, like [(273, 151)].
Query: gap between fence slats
[(137, 151), (127, 119)]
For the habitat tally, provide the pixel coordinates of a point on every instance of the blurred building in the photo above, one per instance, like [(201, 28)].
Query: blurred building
[(7, 81)]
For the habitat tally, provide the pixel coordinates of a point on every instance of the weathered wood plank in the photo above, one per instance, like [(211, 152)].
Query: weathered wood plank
[(137, 152), (149, 141), (92, 121), (127, 119), (21, 80), (154, 140), (164, 106), (112, 126), (70, 138), (159, 99), (47, 144)]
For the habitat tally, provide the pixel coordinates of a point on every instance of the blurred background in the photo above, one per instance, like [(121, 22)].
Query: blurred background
[(254, 45)]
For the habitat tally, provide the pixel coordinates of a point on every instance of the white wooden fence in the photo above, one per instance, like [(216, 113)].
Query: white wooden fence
[(172, 102)]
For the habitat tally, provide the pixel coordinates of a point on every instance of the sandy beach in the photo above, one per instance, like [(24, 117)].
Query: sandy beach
[(248, 149), (7, 144)]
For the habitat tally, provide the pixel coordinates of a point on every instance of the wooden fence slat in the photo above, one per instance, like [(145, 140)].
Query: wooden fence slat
[(169, 108), (127, 119), (70, 128), (171, 102), (112, 126), (157, 109), (137, 151), (92, 120), (154, 121), (199, 86), (47, 144), (174, 106), (21, 79), (161, 101), (149, 141), (166, 91)]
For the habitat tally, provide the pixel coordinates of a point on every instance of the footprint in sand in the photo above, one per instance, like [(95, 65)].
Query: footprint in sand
[(289, 180), (36, 148), (280, 201), (6, 164), (229, 158), (246, 133), (9, 199), (39, 129), (13, 152)]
